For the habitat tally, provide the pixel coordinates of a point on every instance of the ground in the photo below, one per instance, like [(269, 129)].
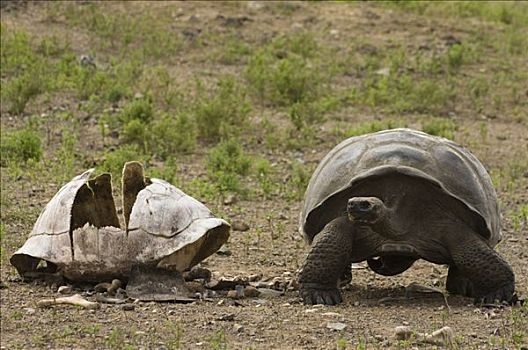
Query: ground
[(235, 103)]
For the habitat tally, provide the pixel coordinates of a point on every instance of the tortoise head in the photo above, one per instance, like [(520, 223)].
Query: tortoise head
[(366, 210)]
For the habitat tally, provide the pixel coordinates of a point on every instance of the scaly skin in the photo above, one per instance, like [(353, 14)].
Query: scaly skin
[(326, 262), (479, 271)]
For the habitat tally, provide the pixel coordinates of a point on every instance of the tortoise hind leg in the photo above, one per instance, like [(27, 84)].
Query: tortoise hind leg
[(491, 276)]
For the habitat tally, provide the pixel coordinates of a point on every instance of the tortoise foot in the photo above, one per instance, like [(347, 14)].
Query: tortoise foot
[(503, 293), (314, 294)]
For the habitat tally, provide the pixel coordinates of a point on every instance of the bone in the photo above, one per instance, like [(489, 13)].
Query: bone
[(75, 299)]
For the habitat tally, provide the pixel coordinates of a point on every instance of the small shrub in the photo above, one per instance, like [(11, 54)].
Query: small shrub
[(20, 90), (226, 163), (135, 131), (223, 114), (299, 177), (455, 56), (20, 146), (173, 135), (139, 109)]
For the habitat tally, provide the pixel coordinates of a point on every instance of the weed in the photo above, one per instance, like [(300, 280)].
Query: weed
[(440, 127), (218, 341), (226, 163), (2, 234), (20, 90), (455, 56), (116, 159), (224, 113), (20, 146), (174, 342), (298, 180), (115, 339), (139, 109), (173, 135), (135, 131)]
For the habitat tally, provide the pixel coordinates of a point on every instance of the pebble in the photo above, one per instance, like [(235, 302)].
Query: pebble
[(255, 277), (65, 289), (336, 326), (30, 310), (269, 293), (128, 307), (239, 226), (332, 314), (231, 199), (251, 292), (238, 328), (402, 332), (226, 317)]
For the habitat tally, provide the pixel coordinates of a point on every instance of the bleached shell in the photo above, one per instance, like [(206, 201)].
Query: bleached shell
[(167, 228)]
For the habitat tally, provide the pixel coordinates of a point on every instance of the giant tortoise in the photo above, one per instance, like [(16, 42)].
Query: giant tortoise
[(79, 235), (394, 197)]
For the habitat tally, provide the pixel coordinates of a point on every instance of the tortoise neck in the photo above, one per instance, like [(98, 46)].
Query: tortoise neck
[(385, 227)]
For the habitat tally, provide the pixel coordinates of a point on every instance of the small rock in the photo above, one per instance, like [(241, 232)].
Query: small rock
[(128, 307), (225, 283), (383, 72), (310, 311), (443, 336), (64, 290), (336, 326), (402, 332), (255, 277), (259, 302), (226, 317), (231, 199), (332, 314), (356, 303), (269, 293), (239, 226), (138, 96), (238, 328), (251, 292), (235, 294), (30, 310), (223, 251)]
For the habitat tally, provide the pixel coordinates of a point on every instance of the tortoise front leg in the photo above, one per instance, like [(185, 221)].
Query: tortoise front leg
[(326, 262), (491, 276)]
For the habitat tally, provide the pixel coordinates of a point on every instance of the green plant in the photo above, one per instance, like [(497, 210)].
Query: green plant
[(20, 90), (440, 127), (20, 146), (224, 113), (116, 159), (455, 56), (298, 180), (218, 341), (139, 109), (226, 163), (173, 135), (135, 131)]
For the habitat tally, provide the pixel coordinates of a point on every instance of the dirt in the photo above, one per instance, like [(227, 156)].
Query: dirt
[(272, 247)]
